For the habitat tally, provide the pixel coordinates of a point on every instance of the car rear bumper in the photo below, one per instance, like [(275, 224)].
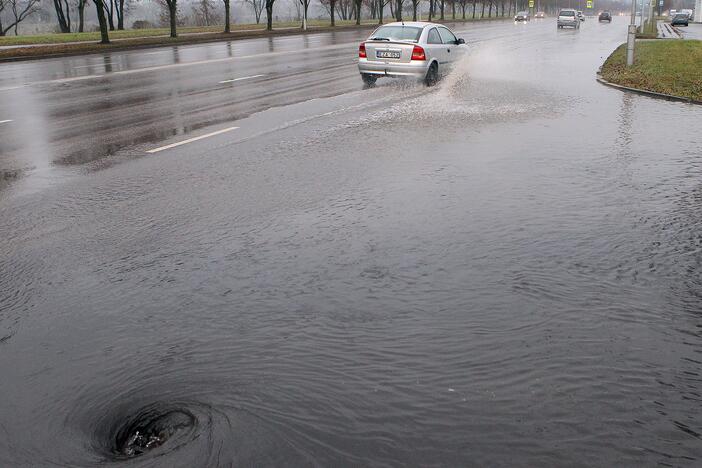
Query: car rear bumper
[(414, 68), (568, 23)]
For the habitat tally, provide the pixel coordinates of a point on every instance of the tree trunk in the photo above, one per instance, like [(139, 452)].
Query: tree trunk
[(110, 14), (99, 8), (332, 7), (443, 4), (64, 22), (398, 10), (81, 15), (453, 9), (269, 15), (120, 16), (414, 10), (173, 13), (358, 12), (431, 9), (381, 7), (227, 24)]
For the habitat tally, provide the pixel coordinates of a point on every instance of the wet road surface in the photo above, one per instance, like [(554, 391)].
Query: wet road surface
[(503, 270)]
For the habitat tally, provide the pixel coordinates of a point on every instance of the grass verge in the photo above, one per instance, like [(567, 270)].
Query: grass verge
[(671, 67)]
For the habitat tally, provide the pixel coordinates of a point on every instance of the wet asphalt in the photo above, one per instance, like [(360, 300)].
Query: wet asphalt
[(502, 270)]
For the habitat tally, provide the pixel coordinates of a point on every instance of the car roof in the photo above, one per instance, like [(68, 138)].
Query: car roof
[(414, 24)]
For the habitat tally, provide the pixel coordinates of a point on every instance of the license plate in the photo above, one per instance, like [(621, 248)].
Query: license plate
[(387, 54)]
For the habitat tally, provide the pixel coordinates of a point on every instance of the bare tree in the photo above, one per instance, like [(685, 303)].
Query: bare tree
[(269, 15), (99, 7), (173, 15), (227, 19), (330, 6), (258, 6), (372, 6), (81, 4), (109, 6), (205, 12), (398, 9), (344, 8), (305, 4), (119, 11), (63, 14), (415, 5), (20, 10), (357, 7)]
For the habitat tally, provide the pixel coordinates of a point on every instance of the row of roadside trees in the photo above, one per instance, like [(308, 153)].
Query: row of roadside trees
[(111, 13)]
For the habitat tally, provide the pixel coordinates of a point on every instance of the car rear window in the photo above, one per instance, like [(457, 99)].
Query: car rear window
[(566, 13), (397, 33)]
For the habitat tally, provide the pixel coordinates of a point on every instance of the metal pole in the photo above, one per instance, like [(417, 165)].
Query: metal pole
[(631, 36)]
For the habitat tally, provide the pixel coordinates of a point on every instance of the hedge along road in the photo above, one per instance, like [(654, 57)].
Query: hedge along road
[(502, 270)]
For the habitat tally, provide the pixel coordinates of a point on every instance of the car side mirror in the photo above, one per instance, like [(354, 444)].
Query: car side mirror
[(460, 41)]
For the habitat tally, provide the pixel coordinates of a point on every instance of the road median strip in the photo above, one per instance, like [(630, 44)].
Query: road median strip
[(665, 69)]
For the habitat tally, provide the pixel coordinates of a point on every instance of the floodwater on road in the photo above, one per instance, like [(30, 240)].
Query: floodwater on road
[(503, 270)]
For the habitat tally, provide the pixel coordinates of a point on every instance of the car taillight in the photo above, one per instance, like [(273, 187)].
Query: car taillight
[(418, 53), (362, 50)]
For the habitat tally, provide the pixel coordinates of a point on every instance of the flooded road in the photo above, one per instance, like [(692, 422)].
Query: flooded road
[(503, 270)]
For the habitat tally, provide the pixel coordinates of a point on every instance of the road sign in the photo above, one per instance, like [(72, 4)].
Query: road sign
[(589, 3), (531, 3), (661, 3)]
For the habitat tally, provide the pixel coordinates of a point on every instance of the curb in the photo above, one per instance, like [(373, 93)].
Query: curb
[(653, 94)]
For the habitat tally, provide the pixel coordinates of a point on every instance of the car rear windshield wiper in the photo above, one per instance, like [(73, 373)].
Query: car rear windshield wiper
[(380, 39)]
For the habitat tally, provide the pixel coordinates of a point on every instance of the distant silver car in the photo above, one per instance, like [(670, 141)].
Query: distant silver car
[(568, 17), (411, 49)]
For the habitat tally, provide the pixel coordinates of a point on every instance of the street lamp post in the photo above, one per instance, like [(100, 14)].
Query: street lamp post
[(631, 36)]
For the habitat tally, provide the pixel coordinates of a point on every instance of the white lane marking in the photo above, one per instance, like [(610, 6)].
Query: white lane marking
[(76, 78), (5, 121), (190, 140), (10, 88), (240, 79)]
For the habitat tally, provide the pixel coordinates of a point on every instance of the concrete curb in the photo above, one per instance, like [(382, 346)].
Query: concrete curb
[(653, 94)]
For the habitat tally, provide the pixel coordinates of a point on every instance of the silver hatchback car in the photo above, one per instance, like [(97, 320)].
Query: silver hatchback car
[(413, 49)]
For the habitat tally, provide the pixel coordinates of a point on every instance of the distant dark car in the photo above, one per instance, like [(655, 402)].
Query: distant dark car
[(680, 19), (540, 15), (606, 16), (522, 16)]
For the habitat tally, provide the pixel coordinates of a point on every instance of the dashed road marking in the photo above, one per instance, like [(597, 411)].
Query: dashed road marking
[(5, 121), (240, 79), (190, 140)]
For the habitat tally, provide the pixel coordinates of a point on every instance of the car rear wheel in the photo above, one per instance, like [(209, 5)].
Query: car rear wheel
[(432, 75), (368, 79)]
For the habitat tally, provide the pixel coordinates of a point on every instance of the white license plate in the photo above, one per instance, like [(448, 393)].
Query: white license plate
[(387, 54)]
